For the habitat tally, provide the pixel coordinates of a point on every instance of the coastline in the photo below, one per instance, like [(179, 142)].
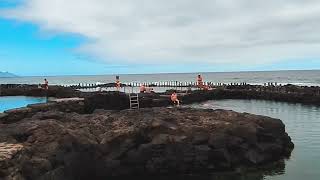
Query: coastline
[(21, 127)]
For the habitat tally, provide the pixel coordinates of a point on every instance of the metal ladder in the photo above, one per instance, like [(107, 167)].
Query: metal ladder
[(134, 100)]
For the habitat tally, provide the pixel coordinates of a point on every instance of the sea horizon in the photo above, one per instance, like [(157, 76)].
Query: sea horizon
[(202, 72), (296, 77)]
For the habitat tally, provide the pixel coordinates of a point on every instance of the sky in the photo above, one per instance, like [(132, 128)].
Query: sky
[(90, 37)]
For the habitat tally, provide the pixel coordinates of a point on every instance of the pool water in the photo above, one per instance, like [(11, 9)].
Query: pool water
[(11, 102), (303, 126)]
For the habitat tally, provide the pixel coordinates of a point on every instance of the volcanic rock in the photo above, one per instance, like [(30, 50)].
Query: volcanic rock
[(152, 141)]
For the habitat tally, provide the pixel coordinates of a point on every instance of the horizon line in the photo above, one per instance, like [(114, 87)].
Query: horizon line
[(240, 71)]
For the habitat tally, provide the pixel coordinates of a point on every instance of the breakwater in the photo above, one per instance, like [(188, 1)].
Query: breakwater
[(120, 101), (289, 93), (286, 93), (35, 90)]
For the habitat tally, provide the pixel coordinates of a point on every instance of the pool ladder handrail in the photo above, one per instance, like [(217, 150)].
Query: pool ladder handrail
[(134, 100)]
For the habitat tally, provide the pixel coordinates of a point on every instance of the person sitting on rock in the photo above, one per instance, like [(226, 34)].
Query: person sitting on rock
[(174, 98)]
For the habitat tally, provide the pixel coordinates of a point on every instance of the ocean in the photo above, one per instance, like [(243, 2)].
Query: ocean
[(301, 77)]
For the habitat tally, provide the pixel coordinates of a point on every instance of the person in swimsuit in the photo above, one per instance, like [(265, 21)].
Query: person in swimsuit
[(46, 84), (142, 88), (199, 81), (118, 84)]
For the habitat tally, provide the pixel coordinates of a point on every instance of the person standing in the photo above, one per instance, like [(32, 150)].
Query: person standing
[(118, 84), (199, 81), (46, 87), (46, 84)]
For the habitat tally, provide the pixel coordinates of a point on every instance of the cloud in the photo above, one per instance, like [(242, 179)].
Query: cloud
[(183, 31)]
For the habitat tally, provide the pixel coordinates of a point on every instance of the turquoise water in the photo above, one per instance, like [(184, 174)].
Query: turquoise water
[(11, 102), (302, 124)]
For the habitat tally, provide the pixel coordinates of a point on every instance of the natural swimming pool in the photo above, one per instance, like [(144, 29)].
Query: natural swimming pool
[(11, 102), (302, 124)]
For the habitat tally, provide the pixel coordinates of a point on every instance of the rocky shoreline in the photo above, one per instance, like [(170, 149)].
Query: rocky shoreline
[(96, 136), (34, 90), (151, 141)]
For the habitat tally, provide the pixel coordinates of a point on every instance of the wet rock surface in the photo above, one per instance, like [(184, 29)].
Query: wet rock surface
[(152, 141)]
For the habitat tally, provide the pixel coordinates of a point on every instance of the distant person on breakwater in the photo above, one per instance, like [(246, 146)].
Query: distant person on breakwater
[(142, 88), (199, 81), (174, 98), (118, 84), (46, 84)]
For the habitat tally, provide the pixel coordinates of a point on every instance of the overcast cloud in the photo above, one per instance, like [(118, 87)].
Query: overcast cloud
[(186, 31)]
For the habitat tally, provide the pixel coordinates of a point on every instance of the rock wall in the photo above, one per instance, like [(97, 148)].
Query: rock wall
[(110, 100), (287, 93), (120, 101), (91, 102), (291, 97), (116, 100), (33, 90), (155, 141), (303, 98)]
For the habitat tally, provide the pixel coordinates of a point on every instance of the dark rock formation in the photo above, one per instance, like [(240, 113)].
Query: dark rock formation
[(56, 145), (34, 90), (287, 93), (110, 101), (120, 101), (301, 96), (15, 115)]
